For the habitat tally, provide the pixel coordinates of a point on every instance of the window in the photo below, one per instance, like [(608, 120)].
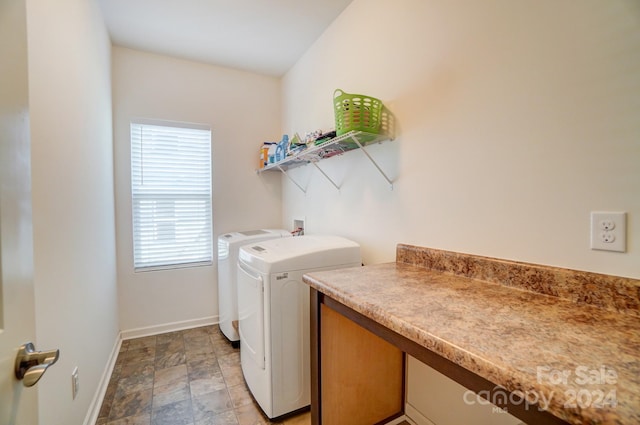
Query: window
[(171, 195)]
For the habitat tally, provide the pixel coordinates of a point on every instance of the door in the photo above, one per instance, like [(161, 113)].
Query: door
[(290, 326), (251, 314), (227, 296), (18, 405)]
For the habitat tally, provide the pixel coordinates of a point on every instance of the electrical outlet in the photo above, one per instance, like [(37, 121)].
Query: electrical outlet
[(607, 224), (298, 226), (608, 237), (608, 231), (75, 383)]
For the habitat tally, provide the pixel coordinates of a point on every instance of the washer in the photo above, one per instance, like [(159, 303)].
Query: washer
[(273, 305), (228, 246)]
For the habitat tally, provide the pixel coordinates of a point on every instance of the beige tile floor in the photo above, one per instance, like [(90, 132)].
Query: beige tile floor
[(191, 377)]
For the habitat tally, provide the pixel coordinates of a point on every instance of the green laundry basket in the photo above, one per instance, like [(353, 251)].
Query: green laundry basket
[(359, 112)]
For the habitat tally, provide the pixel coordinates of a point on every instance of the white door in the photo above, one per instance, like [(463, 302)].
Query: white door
[(18, 405)]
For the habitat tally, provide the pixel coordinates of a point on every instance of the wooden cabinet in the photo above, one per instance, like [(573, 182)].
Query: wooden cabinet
[(357, 377), (362, 374)]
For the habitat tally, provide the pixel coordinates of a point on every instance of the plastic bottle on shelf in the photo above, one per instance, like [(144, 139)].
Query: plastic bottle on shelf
[(282, 147), (272, 153), (264, 154)]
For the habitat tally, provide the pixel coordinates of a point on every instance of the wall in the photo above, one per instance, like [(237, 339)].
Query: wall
[(515, 120), (73, 202), (242, 110)]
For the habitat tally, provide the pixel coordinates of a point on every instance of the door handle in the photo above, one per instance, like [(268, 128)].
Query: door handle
[(31, 364)]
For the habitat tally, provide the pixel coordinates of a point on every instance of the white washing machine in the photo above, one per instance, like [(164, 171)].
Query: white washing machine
[(273, 306), (228, 246)]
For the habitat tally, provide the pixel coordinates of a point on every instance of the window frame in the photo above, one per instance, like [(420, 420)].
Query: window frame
[(169, 263)]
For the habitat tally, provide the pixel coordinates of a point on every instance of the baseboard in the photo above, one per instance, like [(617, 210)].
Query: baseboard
[(169, 327), (401, 420), (98, 397), (415, 416)]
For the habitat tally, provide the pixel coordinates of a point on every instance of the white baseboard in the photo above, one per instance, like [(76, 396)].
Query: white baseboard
[(169, 327), (98, 397), (400, 420), (415, 416)]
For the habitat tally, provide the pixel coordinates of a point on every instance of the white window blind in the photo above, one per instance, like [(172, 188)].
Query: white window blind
[(171, 196)]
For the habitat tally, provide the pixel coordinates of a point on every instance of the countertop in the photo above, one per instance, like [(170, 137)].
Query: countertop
[(581, 362)]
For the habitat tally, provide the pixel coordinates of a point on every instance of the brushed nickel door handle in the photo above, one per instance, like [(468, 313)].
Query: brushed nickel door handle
[(31, 364)]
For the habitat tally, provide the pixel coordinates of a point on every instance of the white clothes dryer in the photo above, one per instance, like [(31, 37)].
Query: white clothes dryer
[(273, 307), (228, 247)]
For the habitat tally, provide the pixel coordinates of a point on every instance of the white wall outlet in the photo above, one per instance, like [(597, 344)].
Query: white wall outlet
[(75, 383), (298, 223), (609, 231)]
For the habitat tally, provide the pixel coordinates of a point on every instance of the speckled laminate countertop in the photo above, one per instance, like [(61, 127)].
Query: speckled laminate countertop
[(576, 352)]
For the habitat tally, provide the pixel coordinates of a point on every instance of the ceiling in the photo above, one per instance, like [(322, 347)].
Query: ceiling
[(262, 36)]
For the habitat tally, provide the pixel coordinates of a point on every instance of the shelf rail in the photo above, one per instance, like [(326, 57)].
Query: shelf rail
[(315, 154)]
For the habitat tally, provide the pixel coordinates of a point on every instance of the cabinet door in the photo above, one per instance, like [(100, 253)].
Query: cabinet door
[(361, 374)]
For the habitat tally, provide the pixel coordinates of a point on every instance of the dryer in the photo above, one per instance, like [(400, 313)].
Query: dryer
[(273, 306), (228, 246)]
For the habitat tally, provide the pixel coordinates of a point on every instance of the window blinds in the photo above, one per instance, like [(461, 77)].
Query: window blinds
[(171, 196)]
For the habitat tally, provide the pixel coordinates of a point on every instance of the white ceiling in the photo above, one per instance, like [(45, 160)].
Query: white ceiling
[(263, 36)]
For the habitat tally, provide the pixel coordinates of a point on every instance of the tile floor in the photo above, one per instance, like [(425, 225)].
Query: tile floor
[(190, 377)]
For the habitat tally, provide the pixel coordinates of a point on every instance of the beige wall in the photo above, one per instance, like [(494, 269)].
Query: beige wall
[(243, 111), (515, 120), (73, 202)]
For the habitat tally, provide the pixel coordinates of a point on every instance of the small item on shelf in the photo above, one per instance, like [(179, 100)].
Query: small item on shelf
[(293, 150), (331, 150), (264, 154), (296, 145), (279, 152), (272, 153), (324, 137), (282, 147), (296, 140), (311, 137)]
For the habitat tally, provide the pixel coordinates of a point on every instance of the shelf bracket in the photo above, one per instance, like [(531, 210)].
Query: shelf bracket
[(372, 161), (292, 180), (316, 153), (326, 176)]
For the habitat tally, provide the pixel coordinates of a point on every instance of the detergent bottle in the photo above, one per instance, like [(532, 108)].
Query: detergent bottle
[(281, 149)]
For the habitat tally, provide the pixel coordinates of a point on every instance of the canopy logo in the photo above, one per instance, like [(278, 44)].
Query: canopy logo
[(583, 387)]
